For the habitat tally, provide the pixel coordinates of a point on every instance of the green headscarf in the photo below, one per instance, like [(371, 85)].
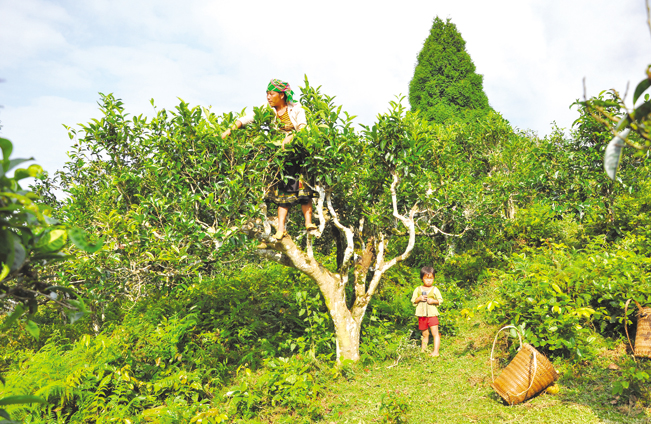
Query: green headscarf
[(281, 87)]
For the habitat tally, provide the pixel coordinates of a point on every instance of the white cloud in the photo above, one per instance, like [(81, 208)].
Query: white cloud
[(41, 124), (28, 29)]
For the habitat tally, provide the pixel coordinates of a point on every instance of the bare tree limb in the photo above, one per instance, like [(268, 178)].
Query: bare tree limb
[(319, 210), (409, 223), (350, 241), (437, 231), (381, 266), (322, 221), (276, 257)]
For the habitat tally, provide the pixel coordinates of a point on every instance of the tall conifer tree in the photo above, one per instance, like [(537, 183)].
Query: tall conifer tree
[(445, 87)]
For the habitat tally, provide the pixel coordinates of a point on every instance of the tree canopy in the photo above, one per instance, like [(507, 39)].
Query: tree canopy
[(180, 289), (187, 197), (445, 87)]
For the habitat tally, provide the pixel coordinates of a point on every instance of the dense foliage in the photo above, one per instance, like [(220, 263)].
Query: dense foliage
[(445, 87), (29, 238), (185, 324), (616, 118)]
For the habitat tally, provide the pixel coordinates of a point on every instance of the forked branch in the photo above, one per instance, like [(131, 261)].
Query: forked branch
[(350, 241), (409, 223)]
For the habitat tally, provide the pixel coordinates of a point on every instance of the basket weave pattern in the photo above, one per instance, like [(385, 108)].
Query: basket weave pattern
[(643, 334), (515, 383)]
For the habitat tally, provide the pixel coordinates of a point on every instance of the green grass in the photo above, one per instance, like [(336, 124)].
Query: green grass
[(455, 388)]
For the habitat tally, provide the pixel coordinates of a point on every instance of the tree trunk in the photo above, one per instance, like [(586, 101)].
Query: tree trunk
[(347, 326), (347, 322)]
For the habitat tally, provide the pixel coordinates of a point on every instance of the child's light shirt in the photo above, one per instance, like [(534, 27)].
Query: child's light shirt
[(424, 309)]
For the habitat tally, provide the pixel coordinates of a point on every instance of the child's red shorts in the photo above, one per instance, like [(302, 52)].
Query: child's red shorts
[(426, 322)]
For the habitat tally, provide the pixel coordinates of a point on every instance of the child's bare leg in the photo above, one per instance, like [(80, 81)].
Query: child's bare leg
[(437, 339), (424, 340)]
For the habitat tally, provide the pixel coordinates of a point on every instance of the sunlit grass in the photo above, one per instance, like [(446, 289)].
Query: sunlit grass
[(455, 388)]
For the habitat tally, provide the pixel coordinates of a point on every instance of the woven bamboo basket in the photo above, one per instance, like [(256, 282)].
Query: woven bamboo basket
[(642, 347), (528, 374)]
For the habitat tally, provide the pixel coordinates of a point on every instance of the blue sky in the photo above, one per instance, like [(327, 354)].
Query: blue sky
[(55, 56)]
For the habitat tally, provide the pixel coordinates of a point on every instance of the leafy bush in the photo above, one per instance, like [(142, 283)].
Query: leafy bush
[(635, 379), (168, 356), (542, 222), (291, 383), (565, 295), (114, 376), (29, 238), (393, 408)]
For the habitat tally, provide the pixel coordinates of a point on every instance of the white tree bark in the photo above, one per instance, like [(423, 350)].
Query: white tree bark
[(347, 322)]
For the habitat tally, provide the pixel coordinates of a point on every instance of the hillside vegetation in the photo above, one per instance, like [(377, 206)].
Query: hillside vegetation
[(143, 296), (180, 328)]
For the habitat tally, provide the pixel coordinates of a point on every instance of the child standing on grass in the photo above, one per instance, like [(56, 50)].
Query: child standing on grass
[(425, 298)]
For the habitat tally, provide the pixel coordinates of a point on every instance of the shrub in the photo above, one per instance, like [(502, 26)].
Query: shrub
[(564, 295), (394, 408)]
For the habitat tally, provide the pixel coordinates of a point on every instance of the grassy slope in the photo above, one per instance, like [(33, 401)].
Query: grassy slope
[(455, 388)]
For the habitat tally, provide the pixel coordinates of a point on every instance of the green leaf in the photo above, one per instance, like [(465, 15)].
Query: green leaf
[(32, 171), (11, 164), (32, 328), (53, 240), (613, 153), (80, 239), (641, 88), (556, 288), (76, 314), (642, 111), (5, 271), (19, 253), (6, 147), (50, 256), (51, 221), (61, 289), (21, 399), (5, 415), (18, 311), (25, 201), (605, 103)]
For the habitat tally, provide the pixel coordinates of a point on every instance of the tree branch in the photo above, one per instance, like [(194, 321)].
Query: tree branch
[(319, 210), (322, 221), (381, 266), (361, 270), (437, 231), (350, 240), (276, 257)]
